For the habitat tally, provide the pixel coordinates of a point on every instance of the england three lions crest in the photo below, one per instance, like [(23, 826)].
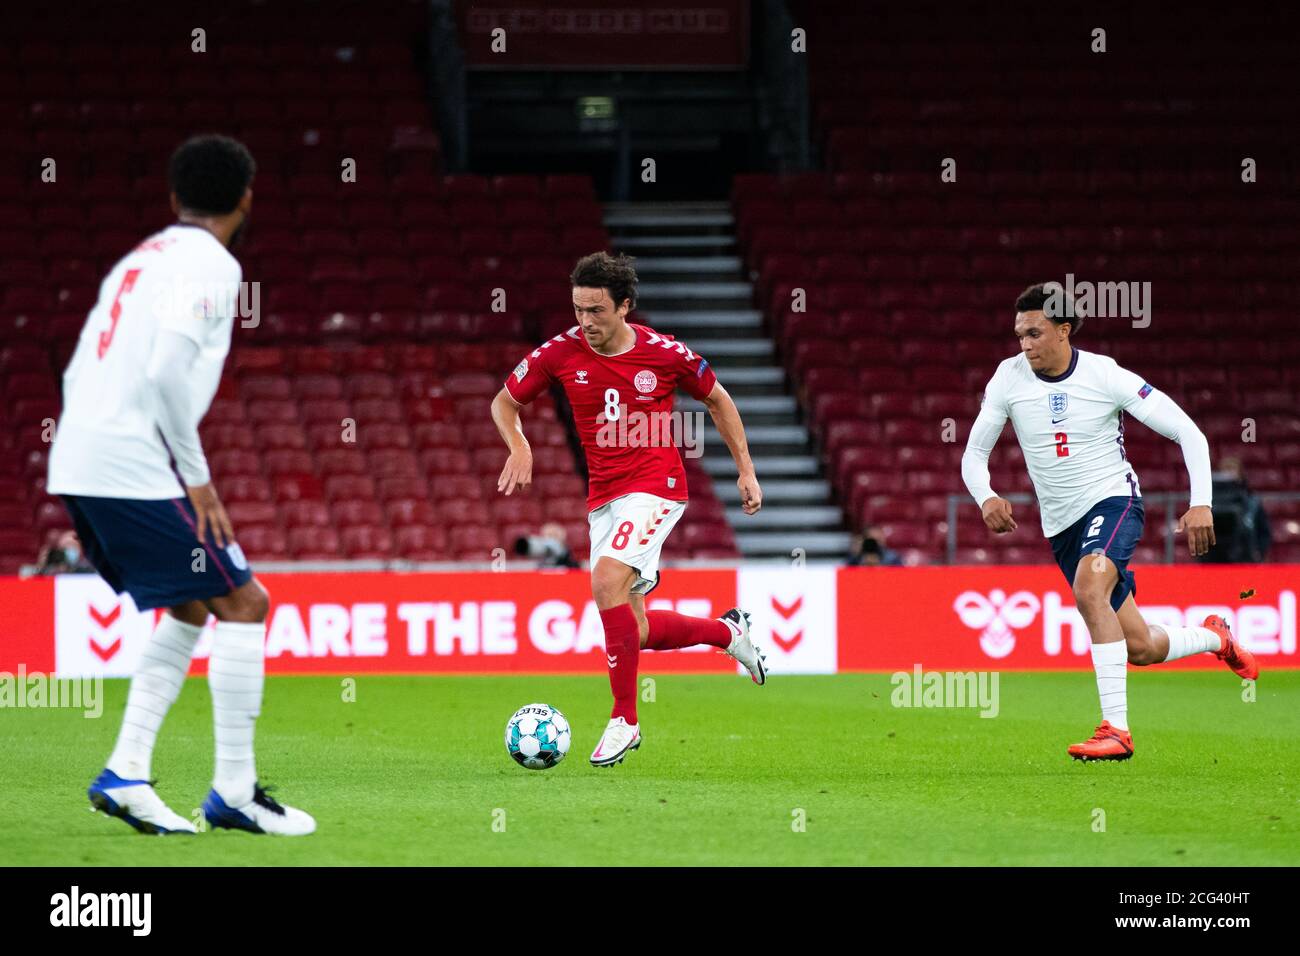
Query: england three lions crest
[(1057, 402)]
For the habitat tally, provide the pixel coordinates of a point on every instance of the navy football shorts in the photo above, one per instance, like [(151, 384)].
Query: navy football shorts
[(150, 550), (1113, 527)]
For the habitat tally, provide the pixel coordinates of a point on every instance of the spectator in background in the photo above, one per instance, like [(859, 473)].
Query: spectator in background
[(1241, 528), (869, 549), (64, 557), (550, 547)]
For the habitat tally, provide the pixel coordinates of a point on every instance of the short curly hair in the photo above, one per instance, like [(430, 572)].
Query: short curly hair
[(615, 274), (1039, 298), (209, 174)]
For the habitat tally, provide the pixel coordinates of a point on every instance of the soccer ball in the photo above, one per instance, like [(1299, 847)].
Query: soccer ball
[(537, 736)]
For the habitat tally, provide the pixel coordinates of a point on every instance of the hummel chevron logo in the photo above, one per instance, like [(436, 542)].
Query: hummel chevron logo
[(102, 652), (787, 610), (665, 342), (104, 649), (612, 659), (787, 643), (104, 620)]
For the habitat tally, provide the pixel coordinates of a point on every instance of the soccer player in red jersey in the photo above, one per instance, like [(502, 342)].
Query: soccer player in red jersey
[(620, 379)]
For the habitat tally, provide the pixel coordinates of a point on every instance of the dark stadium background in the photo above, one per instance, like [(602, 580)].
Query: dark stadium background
[(775, 170), (782, 170)]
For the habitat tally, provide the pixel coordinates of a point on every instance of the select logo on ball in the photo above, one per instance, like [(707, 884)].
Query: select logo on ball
[(538, 736)]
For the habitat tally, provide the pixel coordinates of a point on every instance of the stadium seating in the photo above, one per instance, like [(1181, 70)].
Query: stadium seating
[(909, 280), (376, 295)]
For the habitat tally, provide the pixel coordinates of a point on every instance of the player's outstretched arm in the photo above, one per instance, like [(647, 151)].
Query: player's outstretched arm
[(518, 472), (726, 416), (975, 461), (1165, 417), (1162, 414)]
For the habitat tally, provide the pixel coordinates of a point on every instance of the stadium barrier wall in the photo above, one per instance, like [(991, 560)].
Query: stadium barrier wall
[(810, 620)]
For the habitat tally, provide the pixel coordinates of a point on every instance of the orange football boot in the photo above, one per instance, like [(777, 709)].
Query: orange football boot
[(1241, 661), (1108, 743)]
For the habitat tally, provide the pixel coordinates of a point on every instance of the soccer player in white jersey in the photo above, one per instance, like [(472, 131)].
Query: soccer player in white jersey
[(1067, 407), (144, 372)]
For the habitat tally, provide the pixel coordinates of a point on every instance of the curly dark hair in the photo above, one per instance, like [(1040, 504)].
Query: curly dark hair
[(210, 173), (1038, 298), (616, 275)]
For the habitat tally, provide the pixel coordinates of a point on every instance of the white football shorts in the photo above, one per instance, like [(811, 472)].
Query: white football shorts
[(632, 529)]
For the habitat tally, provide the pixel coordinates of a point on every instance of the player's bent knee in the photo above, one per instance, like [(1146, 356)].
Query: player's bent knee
[(193, 613), (247, 604), (609, 594), (610, 584), (1089, 597), (1145, 652), (257, 602)]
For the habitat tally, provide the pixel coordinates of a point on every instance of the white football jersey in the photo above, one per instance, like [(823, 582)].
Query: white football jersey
[(1071, 429), (107, 443)]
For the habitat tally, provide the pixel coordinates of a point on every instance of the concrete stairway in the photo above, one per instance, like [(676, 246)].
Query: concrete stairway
[(694, 286)]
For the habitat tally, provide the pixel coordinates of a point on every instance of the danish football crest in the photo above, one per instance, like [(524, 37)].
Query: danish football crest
[(645, 381)]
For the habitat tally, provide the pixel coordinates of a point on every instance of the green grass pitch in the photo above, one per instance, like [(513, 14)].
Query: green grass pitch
[(414, 773)]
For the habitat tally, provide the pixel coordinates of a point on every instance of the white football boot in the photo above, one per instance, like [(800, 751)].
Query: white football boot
[(742, 648), (136, 803), (619, 738), (260, 815)]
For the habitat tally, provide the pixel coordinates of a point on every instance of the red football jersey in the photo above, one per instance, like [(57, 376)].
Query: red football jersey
[(621, 405)]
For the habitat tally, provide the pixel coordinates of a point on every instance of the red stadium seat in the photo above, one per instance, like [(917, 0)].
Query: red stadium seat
[(263, 543), (341, 486), (240, 488), (245, 513), (420, 543), (360, 511), (287, 462), (474, 542), (313, 543), (446, 461)]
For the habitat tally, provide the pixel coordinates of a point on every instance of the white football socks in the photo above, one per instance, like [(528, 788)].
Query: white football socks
[(235, 676), (1184, 641), (1111, 663), (155, 686)]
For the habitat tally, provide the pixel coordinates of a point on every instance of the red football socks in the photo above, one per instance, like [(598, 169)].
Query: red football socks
[(622, 651), (670, 631)]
